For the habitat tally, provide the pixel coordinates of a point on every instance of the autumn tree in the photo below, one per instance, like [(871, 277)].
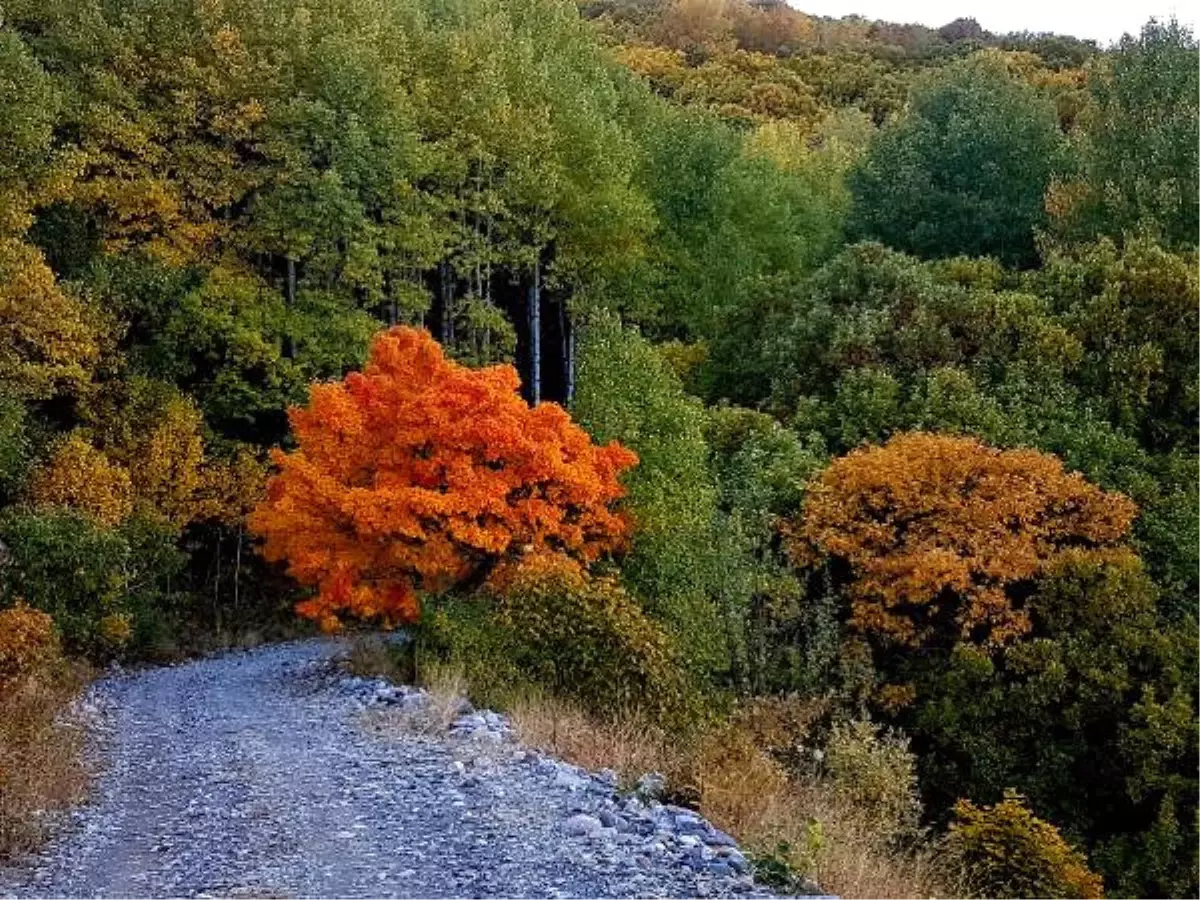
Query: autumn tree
[(1009, 852), (421, 474), (49, 340), (937, 531), (80, 477)]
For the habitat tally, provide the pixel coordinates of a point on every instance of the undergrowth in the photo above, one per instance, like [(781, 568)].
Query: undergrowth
[(41, 759)]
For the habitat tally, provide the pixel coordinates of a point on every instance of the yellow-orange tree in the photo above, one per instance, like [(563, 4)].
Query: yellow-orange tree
[(938, 529), (419, 474)]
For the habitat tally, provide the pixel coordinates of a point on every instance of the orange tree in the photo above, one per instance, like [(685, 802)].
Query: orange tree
[(421, 474), (941, 535)]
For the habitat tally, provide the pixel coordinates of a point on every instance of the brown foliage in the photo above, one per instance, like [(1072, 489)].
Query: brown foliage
[(41, 765), (27, 642), (934, 523)]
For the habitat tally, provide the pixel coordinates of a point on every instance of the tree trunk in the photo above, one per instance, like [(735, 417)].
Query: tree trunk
[(535, 336), (237, 571), (217, 589), (290, 346), (446, 289), (568, 352)]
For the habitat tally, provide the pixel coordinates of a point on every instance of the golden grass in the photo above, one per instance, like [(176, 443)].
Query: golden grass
[(849, 849), (446, 690), (41, 759), (446, 687)]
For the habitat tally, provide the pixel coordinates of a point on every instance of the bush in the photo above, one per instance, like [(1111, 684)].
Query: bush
[(875, 771), (41, 762), (14, 446), (27, 641), (1009, 852), (461, 634), (101, 585), (586, 638)]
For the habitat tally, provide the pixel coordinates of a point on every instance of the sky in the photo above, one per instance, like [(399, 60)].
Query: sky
[(1103, 21)]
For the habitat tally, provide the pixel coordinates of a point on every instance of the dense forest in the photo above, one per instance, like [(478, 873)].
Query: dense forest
[(878, 344)]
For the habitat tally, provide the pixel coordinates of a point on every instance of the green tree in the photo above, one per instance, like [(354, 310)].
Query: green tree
[(1092, 718), (965, 170), (629, 394), (1139, 154)]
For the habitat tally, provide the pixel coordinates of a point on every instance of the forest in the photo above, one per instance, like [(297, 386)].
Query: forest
[(821, 393)]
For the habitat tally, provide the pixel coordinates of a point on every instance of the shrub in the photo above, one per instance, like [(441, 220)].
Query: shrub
[(66, 565), (461, 633), (875, 771), (102, 586), (1009, 852), (585, 637), (40, 754), (27, 641), (14, 446)]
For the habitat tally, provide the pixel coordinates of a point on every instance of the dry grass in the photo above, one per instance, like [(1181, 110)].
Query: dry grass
[(849, 848), (628, 746), (41, 761), (370, 656), (446, 691)]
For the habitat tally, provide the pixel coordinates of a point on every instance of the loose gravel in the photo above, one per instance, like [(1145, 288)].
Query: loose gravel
[(259, 774)]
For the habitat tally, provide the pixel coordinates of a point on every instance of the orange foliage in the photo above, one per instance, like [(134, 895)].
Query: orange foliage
[(931, 523), (419, 473), (27, 639)]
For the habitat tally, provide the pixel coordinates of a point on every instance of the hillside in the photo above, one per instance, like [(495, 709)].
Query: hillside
[(803, 410)]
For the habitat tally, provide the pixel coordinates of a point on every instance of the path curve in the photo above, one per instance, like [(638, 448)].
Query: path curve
[(249, 774)]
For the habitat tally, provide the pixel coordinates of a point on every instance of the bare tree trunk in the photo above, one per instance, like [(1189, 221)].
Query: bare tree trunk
[(447, 295), (567, 342), (535, 336), (237, 570), (217, 588), (570, 362), (290, 351)]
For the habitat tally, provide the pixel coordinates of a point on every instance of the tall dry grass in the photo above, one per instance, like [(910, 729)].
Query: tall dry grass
[(851, 845), (41, 758)]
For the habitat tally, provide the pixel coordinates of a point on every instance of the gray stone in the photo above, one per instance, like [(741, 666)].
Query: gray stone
[(651, 785), (718, 838), (227, 764), (581, 825)]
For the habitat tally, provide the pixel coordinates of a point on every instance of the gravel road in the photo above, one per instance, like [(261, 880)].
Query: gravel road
[(251, 774)]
